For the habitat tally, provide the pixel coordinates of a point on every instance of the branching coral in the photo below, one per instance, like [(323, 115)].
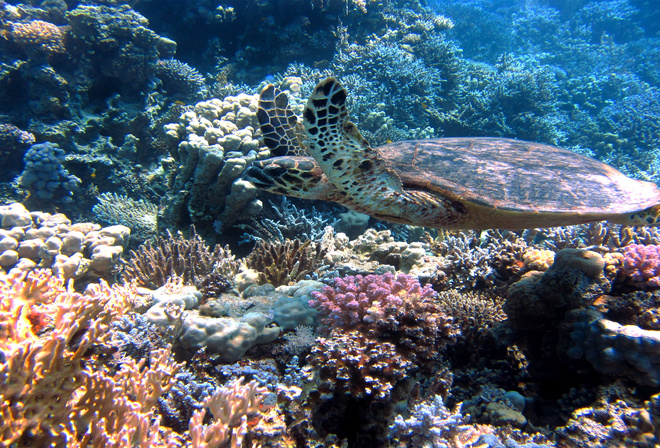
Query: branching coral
[(139, 215), (230, 406), (45, 334), (189, 258), (642, 264), (472, 312), (356, 364), (388, 308), (285, 263)]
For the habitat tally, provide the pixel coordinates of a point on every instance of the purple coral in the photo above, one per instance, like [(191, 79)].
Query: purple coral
[(355, 299), (642, 264), (388, 309)]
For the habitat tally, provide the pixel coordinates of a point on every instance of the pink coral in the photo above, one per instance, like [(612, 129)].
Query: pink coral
[(390, 309), (355, 299), (642, 264)]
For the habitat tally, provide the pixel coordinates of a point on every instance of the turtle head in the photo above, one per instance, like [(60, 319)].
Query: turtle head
[(295, 176)]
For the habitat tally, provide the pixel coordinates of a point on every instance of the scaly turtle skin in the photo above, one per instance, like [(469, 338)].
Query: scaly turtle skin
[(459, 183)]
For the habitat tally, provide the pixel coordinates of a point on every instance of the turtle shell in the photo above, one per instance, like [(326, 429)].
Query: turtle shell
[(517, 176)]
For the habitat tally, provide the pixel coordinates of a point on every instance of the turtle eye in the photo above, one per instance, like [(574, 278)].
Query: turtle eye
[(366, 165)]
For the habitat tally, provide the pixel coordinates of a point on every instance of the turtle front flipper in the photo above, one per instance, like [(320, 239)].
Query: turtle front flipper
[(343, 154), (282, 132), (299, 177), (646, 217), (361, 174)]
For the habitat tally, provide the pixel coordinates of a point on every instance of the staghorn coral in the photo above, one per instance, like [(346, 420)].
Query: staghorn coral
[(285, 263), (230, 407), (39, 35), (189, 258), (116, 410), (45, 334)]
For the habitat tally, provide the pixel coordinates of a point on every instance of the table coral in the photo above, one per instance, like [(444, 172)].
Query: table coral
[(641, 263)]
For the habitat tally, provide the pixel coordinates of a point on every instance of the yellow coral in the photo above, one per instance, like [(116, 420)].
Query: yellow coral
[(230, 405), (538, 259), (37, 33), (43, 363)]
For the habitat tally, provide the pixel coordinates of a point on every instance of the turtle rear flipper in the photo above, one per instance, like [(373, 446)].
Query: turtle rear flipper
[(279, 124)]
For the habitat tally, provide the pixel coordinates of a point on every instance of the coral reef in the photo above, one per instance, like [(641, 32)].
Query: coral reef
[(285, 263), (45, 177), (82, 251)]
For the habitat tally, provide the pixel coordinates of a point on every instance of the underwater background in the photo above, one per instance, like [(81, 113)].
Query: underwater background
[(150, 296)]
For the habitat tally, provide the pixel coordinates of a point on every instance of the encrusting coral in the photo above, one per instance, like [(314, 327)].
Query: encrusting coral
[(40, 35)]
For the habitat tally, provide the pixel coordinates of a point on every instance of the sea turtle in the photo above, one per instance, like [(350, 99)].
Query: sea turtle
[(455, 183)]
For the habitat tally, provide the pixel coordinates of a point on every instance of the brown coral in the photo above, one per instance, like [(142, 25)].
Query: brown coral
[(285, 263), (358, 365), (40, 35), (189, 258)]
